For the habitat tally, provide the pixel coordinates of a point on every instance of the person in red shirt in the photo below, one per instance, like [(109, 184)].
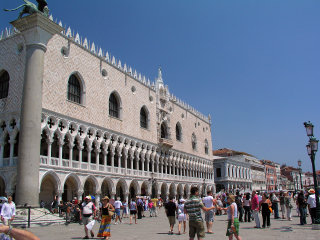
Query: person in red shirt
[(255, 208)]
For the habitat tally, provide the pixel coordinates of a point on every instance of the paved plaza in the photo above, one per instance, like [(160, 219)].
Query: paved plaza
[(157, 228)]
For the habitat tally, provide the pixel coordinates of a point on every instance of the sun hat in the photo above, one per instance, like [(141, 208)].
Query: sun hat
[(88, 197), (312, 191), (105, 198), (182, 200)]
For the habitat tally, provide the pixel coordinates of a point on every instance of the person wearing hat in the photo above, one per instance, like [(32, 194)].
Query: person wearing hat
[(312, 204), (104, 230), (86, 211)]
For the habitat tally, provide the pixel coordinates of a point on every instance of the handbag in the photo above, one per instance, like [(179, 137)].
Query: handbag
[(111, 213)]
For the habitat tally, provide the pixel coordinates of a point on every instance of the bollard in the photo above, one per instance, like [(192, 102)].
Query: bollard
[(29, 216)]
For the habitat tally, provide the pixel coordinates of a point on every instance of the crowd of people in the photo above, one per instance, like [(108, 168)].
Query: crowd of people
[(241, 207)]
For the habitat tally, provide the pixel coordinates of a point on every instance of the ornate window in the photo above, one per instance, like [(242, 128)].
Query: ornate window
[(4, 84), (178, 132), (143, 118), (206, 147), (164, 130), (114, 106), (194, 141), (74, 89)]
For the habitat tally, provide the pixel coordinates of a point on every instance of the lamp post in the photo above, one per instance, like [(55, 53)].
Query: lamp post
[(300, 171), (312, 148)]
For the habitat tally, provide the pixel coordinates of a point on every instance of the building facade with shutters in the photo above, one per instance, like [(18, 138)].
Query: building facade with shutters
[(105, 129)]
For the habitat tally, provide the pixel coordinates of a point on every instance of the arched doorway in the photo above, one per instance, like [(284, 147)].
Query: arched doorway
[(70, 189), (89, 187), (154, 190), (2, 187), (220, 187), (164, 191), (186, 191), (133, 189), (144, 189), (180, 191), (121, 190), (48, 188), (106, 188), (172, 190)]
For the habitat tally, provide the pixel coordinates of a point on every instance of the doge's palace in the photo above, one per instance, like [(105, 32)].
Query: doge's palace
[(101, 129)]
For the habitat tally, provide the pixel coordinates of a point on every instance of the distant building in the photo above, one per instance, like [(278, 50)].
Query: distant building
[(293, 176), (271, 175), (232, 170)]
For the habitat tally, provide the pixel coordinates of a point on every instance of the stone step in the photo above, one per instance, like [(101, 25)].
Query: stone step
[(38, 217)]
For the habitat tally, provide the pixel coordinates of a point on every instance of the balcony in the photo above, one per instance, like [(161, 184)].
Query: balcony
[(85, 167), (166, 142)]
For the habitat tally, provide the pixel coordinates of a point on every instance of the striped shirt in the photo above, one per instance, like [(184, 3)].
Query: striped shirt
[(193, 207)]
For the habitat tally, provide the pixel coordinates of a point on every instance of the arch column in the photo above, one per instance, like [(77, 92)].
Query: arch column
[(60, 143), (1, 153), (49, 142), (12, 142), (79, 195), (97, 151), (37, 30), (71, 145)]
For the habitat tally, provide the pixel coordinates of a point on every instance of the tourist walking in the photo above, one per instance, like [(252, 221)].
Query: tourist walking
[(182, 216), (233, 221), (265, 207), (255, 208), (117, 205), (312, 204), (208, 202), (8, 212), (247, 208), (133, 211), (302, 206), (238, 201), (282, 204), (87, 209), (288, 203), (105, 217), (124, 209), (193, 208), (139, 207), (171, 208), (275, 205)]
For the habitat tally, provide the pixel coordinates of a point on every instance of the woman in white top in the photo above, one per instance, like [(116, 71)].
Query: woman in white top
[(182, 217), (233, 221)]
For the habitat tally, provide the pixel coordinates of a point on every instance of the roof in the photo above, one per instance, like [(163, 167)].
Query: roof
[(224, 152)]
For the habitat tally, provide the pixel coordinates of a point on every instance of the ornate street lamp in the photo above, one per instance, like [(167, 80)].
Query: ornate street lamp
[(300, 170), (312, 148)]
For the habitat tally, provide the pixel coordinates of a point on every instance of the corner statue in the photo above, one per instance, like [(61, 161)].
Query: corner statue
[(30, 8)]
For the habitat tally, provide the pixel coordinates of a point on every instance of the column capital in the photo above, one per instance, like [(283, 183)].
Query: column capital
[(37, 29)]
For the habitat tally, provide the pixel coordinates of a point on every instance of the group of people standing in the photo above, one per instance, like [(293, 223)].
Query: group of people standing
[(190, 210)]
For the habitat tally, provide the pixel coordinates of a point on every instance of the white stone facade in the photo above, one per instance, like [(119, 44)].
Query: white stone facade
[(232, 174), (84, 150)]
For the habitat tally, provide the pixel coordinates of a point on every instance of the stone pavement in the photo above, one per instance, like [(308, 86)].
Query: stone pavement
[(157, 228)]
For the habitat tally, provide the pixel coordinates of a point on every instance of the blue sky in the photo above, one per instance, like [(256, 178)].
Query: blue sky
[(253, 65)]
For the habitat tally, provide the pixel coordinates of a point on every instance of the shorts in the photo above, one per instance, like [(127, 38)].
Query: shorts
[(86, 220), (133, 212), (117, 211), (209, 216), (196, 227), (172, 220)]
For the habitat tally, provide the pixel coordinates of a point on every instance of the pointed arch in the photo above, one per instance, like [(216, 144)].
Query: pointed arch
[(115, 105), (178, 132), (4, 84), (76, 88)]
